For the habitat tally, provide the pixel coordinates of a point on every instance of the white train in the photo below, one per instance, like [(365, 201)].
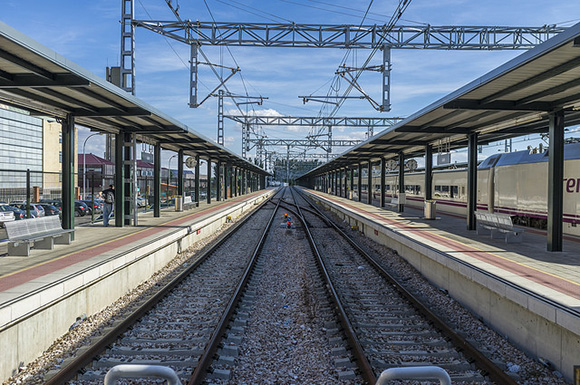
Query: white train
[(513, 183)]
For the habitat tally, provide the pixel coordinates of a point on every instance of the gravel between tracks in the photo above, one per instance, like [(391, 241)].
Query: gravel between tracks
[(285, 340)]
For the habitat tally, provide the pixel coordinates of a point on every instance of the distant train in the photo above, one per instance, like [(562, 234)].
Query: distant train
[(513, 183)]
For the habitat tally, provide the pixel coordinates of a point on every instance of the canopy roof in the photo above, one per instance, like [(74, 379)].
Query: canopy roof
[(513, 100), (37, 79)]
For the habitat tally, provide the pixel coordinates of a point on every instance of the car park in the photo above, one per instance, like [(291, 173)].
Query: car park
[(81, 209), (36, 210)]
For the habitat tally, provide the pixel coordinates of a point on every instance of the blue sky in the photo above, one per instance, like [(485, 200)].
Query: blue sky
[(88, 33)]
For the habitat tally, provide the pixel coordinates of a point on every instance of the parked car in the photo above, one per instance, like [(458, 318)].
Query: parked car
[(36, 210), (18, 214), (141, 202), (168, 203), (96, 206), (50, 209), (6, 216), (55, 202), (81, 209)]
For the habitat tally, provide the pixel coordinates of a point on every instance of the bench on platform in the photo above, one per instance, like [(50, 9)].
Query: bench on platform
[(393, 203), (40, 233), (498, 223)]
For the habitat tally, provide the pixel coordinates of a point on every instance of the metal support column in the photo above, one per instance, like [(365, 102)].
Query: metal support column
[(127, 46), (196, 194), (556, 181), (193, 62), (244, 187), (134, 183), (352, 182), (226, 178), (262, 181), (428, 172), (220, 127), (157, 181), (370, 184), (68, 170), (402, 198), (119, 209), (218, 181), (386, 106), (128, 181), (383, 172), (359, 184), (345, 182), (180, 184), (471, 180), (208, 186), (236, 182)]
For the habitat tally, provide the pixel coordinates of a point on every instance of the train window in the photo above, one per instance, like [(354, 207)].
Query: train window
[(442, 191), (454, 191), (412, 189)]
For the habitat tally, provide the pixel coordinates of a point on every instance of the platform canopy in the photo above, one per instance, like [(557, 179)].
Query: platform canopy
[(37, 79), (515, 99)]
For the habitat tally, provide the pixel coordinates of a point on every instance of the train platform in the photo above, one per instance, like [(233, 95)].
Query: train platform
[(41, 295), (521, 289), (94, 243), (554, 275)]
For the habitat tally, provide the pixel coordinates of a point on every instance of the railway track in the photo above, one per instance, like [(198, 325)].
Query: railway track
[(173, 326), (392, 326), (305, 304)]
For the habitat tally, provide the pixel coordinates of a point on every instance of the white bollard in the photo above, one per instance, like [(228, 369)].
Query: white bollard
[(135, 371), (414, 373)]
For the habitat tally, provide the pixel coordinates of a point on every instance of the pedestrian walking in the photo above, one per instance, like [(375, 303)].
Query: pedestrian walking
[(109, 196)]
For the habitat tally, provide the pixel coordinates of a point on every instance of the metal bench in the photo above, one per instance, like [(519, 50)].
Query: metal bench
[(43, 233), (498, 223)]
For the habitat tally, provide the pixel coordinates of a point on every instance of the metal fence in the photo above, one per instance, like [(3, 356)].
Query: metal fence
[(35, 186)]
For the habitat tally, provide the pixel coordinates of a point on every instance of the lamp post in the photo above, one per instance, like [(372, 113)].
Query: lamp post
[(85, 164), (168, 178)]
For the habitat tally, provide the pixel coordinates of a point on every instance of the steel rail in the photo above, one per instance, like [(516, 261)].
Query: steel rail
[(75, 365), (494, 372), (207, 357), (362, 361)]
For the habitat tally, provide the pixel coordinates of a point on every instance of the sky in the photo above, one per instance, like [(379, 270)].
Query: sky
[(88, 33)]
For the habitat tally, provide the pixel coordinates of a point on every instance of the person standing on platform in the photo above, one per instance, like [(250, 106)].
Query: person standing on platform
[(109, 197)]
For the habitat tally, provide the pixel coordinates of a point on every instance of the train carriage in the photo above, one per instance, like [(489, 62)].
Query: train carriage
[(514, 183)]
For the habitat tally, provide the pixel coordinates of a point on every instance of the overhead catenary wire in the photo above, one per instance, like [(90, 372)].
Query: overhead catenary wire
[(403, 4), (170, 45), (259, 12)]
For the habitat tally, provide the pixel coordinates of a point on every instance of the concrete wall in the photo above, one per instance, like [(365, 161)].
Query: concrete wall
[(534, 325), (33, 323)]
